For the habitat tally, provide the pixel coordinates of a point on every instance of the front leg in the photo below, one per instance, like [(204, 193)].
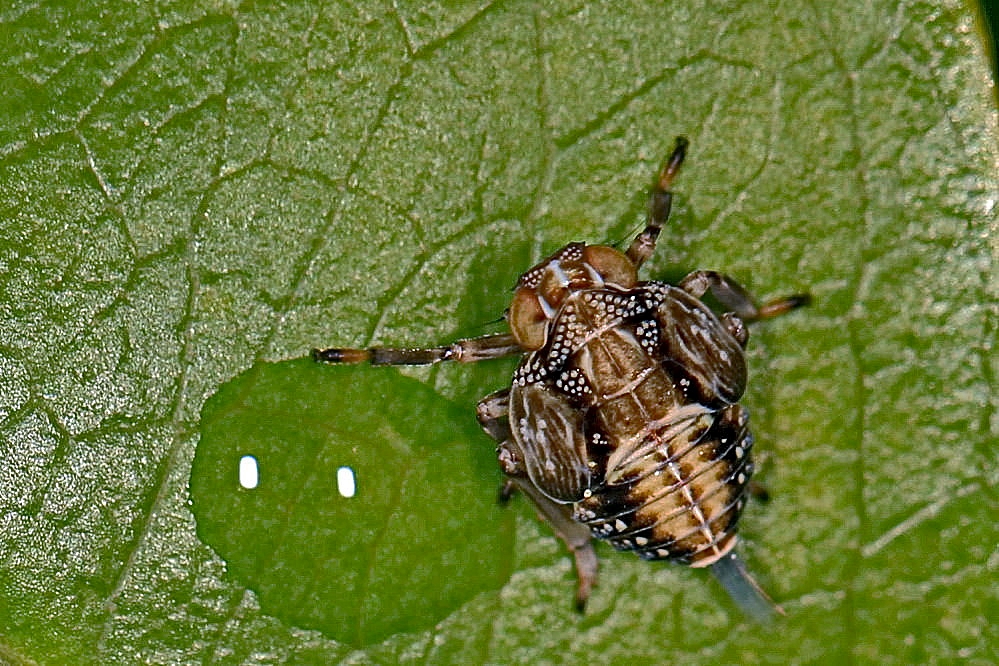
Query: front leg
[(660, 203), (492, 413), (469, 350)]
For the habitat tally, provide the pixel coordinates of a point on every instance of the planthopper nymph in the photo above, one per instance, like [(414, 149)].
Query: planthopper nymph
[(622, 421)]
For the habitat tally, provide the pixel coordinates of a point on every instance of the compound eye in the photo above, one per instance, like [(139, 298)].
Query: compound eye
[(528, 320), (612, 265)]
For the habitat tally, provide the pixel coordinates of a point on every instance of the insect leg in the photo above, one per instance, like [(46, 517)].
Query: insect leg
[(733, 295), (492, 413), (576, 537), (660, 202), (468, 350)]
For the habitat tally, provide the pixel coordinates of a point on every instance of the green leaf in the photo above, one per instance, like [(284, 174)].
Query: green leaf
[(401, 545), (191, 190)]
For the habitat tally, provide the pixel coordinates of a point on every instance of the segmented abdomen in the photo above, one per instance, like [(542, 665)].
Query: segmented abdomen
[(679, 494)]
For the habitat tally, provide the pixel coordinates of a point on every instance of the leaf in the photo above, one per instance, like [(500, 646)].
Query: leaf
[(192, 190), (412, 539)]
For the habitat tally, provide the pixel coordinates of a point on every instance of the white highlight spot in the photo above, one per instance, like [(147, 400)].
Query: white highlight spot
[(560, 275), (345, 482), (249, 475)]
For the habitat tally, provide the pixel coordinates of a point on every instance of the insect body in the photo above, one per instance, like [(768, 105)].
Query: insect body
[(622, 421)]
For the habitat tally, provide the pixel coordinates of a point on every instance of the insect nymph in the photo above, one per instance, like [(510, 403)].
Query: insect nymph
[(622, 421)]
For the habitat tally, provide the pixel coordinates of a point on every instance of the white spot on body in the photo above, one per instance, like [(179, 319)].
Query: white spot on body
[(559, 274), (595, 277), (546, 307)]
